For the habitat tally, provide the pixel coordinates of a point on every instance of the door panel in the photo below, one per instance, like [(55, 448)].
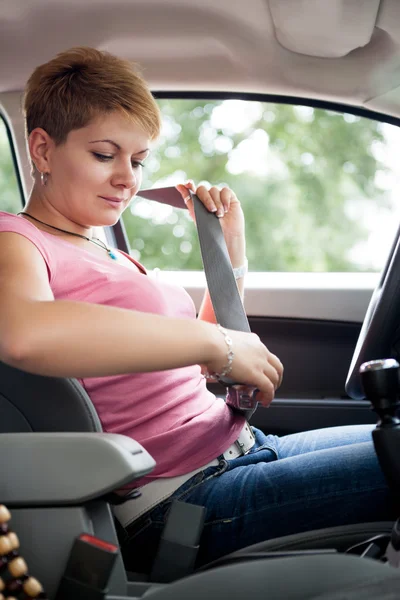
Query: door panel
[(316, 354), (290, 416)]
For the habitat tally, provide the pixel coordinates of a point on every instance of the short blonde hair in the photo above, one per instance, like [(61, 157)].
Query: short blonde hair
[(79, 84)]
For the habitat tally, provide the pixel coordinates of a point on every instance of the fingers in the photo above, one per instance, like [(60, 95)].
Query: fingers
[(278, 366), (270, 380), (264, 399), (272, 374), (211, 199), (266, 392), (190, 185), (221, 199), (183, 189), (215, 200)]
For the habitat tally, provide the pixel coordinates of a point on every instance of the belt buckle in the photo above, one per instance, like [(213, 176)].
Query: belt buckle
[(241, 397), (242, 445)]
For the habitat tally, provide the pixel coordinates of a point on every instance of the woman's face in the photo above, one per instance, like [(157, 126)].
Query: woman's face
[(96, 172)]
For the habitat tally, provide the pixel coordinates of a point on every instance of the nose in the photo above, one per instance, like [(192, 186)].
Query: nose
[(125, 176)]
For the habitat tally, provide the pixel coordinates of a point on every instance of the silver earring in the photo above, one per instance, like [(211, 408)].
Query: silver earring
[(43, 178)]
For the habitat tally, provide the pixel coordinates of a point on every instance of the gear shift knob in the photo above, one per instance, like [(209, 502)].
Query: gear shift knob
[(380, 380)]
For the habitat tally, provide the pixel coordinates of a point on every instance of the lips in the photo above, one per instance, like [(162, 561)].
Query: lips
[(113, 199)]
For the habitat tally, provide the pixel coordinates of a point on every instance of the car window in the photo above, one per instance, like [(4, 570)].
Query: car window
[(10, 196), (319, 188)]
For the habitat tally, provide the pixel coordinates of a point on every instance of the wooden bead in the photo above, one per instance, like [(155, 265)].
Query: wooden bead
[(2, 597), (13, 540), (4, 514), (17, 567), (32, 587), (5, 545)]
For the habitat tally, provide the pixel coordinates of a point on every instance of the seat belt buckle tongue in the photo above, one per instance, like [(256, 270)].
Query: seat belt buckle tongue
[(241, 397), (88, 569)]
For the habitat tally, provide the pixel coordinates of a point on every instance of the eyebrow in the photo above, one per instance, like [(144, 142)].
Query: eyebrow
[(118, 146)]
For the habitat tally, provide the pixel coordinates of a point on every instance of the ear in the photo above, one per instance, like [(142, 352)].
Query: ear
[(40, 147)]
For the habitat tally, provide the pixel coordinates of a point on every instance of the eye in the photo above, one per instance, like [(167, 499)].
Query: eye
[(107, 157), (102, 157), (136, 164)]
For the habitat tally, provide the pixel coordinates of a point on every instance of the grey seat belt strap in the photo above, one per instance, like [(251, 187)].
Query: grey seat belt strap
[(225, 297), (222, 287), (224, 293)]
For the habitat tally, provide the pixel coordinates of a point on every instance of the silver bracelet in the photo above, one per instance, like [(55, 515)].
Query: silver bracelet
[(230, 356), (242, 270)]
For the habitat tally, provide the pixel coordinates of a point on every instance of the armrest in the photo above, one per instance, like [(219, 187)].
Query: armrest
[(61, 469)]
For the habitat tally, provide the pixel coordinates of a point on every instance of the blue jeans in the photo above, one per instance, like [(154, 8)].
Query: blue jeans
[(286, 485)]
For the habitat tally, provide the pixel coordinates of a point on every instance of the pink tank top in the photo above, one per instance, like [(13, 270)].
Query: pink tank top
[(171, 413)]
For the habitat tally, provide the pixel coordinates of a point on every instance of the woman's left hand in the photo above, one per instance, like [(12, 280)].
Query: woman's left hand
[(223, 202)]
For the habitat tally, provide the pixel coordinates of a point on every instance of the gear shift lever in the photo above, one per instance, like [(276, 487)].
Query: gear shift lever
[(380, 380)]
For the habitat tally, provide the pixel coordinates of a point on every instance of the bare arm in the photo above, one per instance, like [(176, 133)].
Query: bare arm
[(206, 312), (63, 338)]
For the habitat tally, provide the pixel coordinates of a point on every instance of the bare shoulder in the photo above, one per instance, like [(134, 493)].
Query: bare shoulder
[(23, 270)]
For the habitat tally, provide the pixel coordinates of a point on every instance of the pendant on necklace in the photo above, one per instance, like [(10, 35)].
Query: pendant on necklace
[(112, 255)]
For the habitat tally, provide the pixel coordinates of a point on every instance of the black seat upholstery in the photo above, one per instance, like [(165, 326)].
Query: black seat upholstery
[(35, 403)]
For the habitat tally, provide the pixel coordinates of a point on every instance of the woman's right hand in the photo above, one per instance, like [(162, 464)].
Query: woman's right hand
[(253, 364)]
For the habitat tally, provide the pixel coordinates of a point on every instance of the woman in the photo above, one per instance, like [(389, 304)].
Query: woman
[(71, 307)]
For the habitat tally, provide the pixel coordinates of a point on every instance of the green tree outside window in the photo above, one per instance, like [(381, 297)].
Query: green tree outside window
[(304, 176)]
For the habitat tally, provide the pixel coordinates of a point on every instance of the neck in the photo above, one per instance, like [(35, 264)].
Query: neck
[(49, 215)]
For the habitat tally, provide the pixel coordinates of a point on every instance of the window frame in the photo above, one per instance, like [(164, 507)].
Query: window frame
[(278, 99), (14, 156)]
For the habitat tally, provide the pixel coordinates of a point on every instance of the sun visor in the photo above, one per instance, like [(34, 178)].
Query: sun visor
[(323, 28)]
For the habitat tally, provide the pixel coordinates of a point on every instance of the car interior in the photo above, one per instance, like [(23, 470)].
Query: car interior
[(60, 471)]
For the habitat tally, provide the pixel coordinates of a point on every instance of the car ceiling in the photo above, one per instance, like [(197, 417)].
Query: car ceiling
[(346, 51)]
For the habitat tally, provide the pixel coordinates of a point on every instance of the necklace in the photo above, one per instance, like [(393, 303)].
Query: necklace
[(96, 241)]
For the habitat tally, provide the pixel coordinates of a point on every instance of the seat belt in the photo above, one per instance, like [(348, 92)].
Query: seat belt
[(221, 282), (179, 546)]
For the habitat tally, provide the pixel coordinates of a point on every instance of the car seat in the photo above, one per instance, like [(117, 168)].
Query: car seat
[(49, 513), (32, 403)]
